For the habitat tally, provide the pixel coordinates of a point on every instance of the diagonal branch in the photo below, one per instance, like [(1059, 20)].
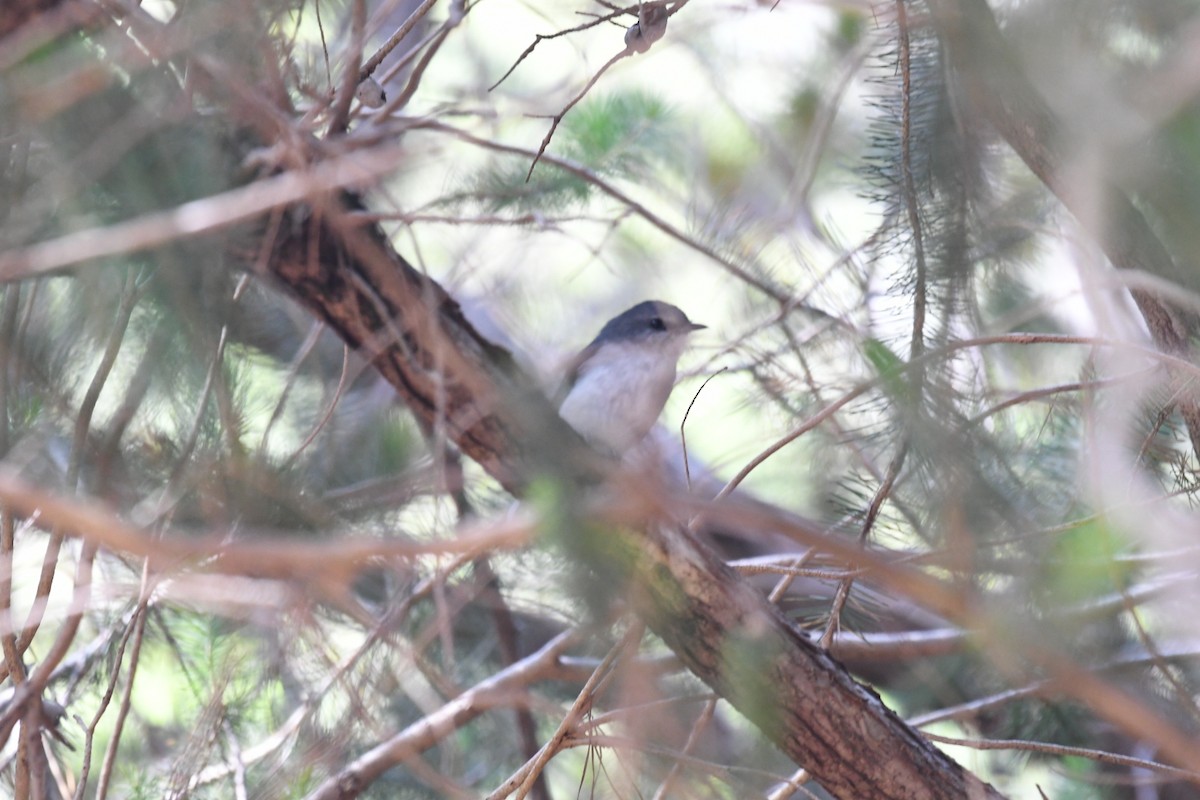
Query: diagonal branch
[(499, 689), (720, 627)]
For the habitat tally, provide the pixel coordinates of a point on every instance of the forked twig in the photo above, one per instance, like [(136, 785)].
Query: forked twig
[(651, 26), (540, 37)]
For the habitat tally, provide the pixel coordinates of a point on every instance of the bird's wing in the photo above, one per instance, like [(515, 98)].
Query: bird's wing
[(572, 371)]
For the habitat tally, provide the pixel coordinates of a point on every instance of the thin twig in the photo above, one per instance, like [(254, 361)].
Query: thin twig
[(83, 421), (557, 118), (541, 37), (504, 686), (371, 64), (350, 79), (306, 347), (109, 690), (1103, 756), (881, 494), (687, 469), (458, 11), (1014, 338), (612, 191), (139, 629), (698, 727), (329, 409), (522, 781), (32, 688)]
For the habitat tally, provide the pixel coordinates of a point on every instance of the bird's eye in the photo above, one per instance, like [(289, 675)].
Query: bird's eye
[(657, 324)]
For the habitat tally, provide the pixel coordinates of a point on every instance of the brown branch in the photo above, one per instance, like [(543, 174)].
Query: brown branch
[(499, 689), (720, 627), (263, 556), (371, 64)]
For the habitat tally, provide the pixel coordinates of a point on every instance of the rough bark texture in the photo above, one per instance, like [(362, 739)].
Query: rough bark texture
[(406, 325), (721, 628)]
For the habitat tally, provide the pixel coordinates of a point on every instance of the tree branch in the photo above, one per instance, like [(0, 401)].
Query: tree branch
[(719, 626)]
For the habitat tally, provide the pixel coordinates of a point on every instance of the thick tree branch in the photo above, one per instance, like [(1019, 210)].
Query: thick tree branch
[(721, 628)]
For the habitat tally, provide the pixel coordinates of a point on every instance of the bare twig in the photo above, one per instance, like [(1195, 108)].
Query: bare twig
[(1018, 338), (306, 347), (1047, 748), (500, 689), (612, 191), (350, 79), (457, 11), (698, 727), (541, 37), (371, 64), (199, 216), (138, 628), (650, 27), (873, 508), (330, 407), (687, 469), (264, 556), (129, 298), (557, 118), (523, 779), (32, 688)]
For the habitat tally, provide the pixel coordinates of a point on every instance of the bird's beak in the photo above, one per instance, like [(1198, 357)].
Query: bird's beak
[(695, 326)]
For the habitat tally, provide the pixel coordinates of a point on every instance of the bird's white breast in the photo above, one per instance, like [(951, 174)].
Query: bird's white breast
[(620, 393)]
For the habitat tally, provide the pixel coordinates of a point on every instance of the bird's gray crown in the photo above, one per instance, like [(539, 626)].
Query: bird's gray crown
[(649, 319)]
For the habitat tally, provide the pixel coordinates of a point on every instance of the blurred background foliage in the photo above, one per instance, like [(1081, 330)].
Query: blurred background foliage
[(806, 178)]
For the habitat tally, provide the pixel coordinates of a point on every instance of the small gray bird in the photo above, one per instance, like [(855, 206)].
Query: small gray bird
[(617, 386)]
